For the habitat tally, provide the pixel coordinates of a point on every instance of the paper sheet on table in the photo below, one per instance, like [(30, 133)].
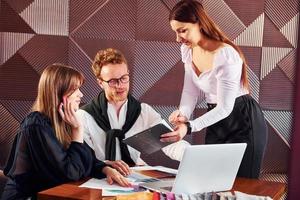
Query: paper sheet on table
[(159, 168), (102, 184)]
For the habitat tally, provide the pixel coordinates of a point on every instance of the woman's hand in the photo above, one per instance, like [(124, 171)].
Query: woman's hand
[(119, 165), (68, 114), (113, 175), (176, 118), (179, 132)]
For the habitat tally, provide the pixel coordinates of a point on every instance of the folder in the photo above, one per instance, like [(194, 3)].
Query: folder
[(148, 141)]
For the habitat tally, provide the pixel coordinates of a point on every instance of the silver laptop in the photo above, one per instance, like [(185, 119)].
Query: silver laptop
[(204, 168)]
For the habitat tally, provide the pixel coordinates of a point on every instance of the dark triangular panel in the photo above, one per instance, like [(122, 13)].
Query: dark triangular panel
[(10, 21), (18, 80), (161, 93), (247, 14), (19, 109), (276, 154), (253, 58), (43, 50), (273, 37), (276, 91), (18, 5), (80, 11), (115, 20)]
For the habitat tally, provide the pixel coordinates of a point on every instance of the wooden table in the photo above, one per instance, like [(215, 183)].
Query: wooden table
[(250, 186)]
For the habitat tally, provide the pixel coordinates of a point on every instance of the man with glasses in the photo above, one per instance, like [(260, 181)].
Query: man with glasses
[(114, 115)]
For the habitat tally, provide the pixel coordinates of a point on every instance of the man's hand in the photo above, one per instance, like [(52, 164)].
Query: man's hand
[(179, 132), (113, 175), (119, 165)]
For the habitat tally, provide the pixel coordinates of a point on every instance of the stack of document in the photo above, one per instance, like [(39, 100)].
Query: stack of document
[(135, 178)]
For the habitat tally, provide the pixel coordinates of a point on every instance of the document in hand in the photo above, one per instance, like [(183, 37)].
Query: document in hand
[(148, 141)]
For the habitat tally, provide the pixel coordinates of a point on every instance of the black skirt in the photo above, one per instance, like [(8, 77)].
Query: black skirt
[(246, 123)]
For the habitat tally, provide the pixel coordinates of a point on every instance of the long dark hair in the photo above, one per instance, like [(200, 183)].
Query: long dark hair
[(191, 11)]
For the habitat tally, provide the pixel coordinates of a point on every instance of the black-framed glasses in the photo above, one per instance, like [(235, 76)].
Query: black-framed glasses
[(115, 81)]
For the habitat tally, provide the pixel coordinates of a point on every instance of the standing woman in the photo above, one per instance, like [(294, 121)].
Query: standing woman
[(216, 66), (49, 149)]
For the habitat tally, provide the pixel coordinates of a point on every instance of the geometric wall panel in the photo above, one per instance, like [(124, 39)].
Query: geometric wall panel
[(247, 14), (253, 34), (157, 58), (8, 128), (107, 24), (273, 37), (148, 27), (226, 19), (276, 154), (270, 57), (281, 11), (80, 61), (48, 17), (275, 118), (19, 109), (290, 30), (161, 93), (288, 65), (43, 50), (12, 42), (18, 5), (276, 92), (80, 11), (18, 80), (10, 20), (254, 84)]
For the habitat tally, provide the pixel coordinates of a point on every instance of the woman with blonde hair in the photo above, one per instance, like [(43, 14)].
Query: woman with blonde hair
[(49, 150), (216, 66)]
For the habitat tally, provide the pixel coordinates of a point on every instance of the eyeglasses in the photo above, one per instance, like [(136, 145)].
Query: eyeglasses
[(115, 81)]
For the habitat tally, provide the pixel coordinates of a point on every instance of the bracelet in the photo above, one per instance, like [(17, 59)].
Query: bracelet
[(189, 128)]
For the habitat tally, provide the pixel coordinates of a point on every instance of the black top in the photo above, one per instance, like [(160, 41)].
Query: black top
[(39, 161)]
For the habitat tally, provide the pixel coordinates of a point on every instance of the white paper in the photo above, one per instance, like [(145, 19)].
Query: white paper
[(102, 184)]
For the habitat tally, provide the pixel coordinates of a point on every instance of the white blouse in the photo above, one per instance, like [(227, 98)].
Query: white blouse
[(221, 85)]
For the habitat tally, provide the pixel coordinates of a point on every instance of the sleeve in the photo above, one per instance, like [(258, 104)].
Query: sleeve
[(51, 160), (190, 92), (228, 77), (82, 115)]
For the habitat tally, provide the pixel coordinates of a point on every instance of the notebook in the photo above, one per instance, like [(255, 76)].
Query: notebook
[(148, 141), (204, 168)]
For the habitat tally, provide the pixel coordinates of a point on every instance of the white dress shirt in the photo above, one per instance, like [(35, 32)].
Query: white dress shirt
[(95, 137), (221, 85)]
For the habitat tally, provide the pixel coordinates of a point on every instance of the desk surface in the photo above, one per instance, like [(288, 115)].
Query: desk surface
[(250, 186)]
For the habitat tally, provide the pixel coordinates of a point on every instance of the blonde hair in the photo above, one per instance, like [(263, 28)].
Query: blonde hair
[(56, 81), (107, 56), (191, 11)]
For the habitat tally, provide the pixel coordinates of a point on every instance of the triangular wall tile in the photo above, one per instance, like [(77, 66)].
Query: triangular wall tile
[(12, 42), (253, 34), (161, 93), (153, 61), (270, 57), (290, 30), (272, 37), (18, 5), (43, 50), (276, 119), (43, 17), (288, 65), (105, 25), (224, 17), (10, 20), (82, 11), (247, 14)]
